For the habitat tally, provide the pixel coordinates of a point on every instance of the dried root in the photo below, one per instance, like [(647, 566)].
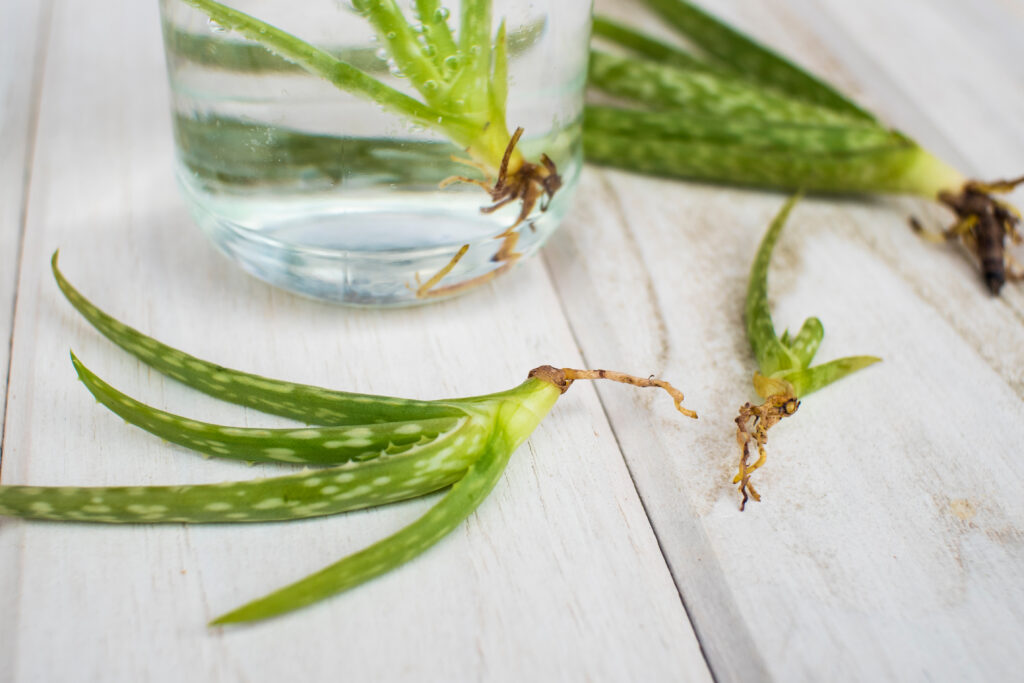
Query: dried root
[(528, 184), (752, 427), (983, 225), (564, 377)]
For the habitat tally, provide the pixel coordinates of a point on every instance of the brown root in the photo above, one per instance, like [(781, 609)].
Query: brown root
[(563, 379), (983, 226), (752, 425), (528, 184)]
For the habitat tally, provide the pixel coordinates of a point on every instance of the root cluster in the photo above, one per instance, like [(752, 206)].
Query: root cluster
[(984, 225), (529, 184), (752, 425)]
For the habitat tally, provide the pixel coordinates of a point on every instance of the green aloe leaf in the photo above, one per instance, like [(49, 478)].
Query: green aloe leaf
[(416, 472), (772, 355), (807, 381), (806, 139), (784, 358), (303, 402), (746, 56), (805, 345), (900, 168), (302, 445), (701, 93), (650, 48), (343, 75)]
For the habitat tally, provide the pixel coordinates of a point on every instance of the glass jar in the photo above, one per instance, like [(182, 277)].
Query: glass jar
[(368, 170)]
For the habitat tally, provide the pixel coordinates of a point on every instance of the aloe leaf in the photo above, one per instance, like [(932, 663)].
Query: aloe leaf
[(219, 149), (402, 44), (437, 34), (748, 57), (302, 402), (809, 380), (899, 168), (381, 557), (516, 420), (806, 342), (772, 355), (304, 445), (475, 33), (469, 68), (499, 73), (788, 361), (701, 93), (784, 136), (648, 47), (419, 470), (323, 64), (252, 58)]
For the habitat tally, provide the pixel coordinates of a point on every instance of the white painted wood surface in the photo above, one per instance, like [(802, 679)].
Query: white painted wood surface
[(889, 544), (21, 55)]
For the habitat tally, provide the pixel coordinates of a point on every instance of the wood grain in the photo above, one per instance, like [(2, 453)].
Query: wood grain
[(22, 33), (887, 543)]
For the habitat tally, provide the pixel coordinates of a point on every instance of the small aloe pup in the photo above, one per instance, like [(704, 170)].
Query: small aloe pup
[(369, 450), (784, 374)]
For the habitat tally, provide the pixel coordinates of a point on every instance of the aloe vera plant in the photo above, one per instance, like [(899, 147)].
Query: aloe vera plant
[(737, 112), (785, 374), (462, 82), (368, 450)]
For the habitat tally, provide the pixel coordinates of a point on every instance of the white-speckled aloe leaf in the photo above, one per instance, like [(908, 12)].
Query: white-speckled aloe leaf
[(805, 344), (419, 469), (751, 59), (651, 48), (805, 138), (772, 355), (808, 380), (303, 402), (895, 169), (702, 93), (517, 419), (332, 445), (383, 556), (777, 359)]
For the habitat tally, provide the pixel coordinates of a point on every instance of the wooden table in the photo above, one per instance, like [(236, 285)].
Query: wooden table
[(889, 544)]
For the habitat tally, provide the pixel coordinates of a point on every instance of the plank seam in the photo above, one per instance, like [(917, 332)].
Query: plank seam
[(38, 74), (622, 454)]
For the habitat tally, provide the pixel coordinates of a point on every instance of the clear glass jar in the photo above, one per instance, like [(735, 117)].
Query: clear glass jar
[(329, 193)]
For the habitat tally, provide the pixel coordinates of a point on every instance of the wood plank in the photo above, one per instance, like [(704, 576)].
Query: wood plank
[(887, 546), (21, 57), (21, 35), (557, 576)]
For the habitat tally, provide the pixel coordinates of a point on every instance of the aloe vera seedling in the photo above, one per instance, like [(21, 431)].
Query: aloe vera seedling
[(737, 112), (368, 450), (785, 374), (462, 80)]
